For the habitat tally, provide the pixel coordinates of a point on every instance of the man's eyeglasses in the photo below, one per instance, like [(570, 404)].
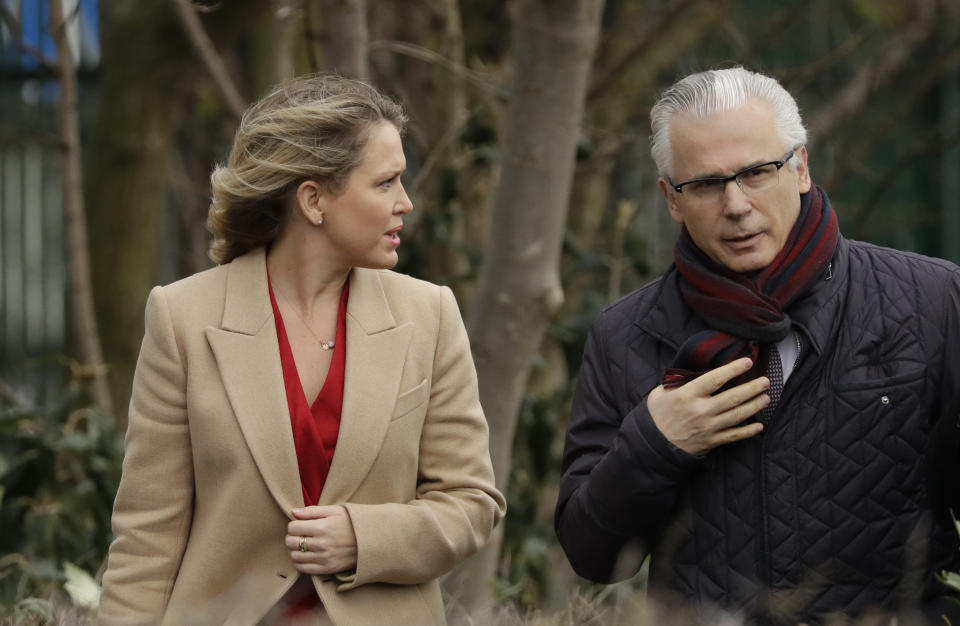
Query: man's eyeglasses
[(749, 180)]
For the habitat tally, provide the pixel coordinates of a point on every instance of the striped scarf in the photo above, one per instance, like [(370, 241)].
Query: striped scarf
[(743, 311)]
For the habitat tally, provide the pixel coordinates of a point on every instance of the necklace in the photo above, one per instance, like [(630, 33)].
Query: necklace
[(324, 345)]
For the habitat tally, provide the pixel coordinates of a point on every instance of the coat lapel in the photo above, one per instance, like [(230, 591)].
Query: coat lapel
[(376, 352), (249, 361)]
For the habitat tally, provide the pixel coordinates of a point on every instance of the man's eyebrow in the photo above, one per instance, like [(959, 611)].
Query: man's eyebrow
[(734, 172)]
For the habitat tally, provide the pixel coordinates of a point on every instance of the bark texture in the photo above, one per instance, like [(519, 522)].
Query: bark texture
[(131, 228), (345, 37), (83, 318), (519, 284)]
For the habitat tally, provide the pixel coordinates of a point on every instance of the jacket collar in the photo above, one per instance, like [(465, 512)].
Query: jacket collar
[(247, 354), (247, 303)]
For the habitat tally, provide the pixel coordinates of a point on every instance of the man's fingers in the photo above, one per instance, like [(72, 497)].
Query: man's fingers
[(737, 414), (737, 434), (741, 394), (707, 384)]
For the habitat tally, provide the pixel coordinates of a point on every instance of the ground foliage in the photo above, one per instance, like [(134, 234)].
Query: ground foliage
[(59, 471)]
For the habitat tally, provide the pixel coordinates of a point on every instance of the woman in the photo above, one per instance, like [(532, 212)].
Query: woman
[(305, 432)]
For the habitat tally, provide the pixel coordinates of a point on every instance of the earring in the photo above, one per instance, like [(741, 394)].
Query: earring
[(319, 221)]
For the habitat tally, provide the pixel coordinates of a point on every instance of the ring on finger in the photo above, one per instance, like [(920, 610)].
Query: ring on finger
[(303, 544)]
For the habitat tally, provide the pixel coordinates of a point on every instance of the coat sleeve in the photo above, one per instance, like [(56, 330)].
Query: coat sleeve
[(457, 504), (153, 509), (621, 478), (944, 449)]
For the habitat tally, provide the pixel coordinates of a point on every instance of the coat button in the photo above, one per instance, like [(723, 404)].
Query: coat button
[(884, 400)]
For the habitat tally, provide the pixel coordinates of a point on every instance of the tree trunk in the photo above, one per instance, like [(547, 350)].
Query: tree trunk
[(345, 37), (82, 315), (519, 284), (129, 221)]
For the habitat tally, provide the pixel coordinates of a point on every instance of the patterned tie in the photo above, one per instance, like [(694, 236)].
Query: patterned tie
[(773, 369)]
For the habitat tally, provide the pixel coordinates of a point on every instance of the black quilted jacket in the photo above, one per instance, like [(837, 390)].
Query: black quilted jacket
[(828, 509)]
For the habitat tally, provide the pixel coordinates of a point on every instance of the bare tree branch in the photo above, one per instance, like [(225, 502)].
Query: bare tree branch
[(83, 315), (931, 142), (451, 133), (757, 43), (482, 81), (907, 97), (204, 48), (641, 46), (796, 77), (874, 75)]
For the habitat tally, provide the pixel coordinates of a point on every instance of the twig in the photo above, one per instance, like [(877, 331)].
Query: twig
[(875, 75), (205, 49), (641, 46), (775, 25), (797, 77), (889, 176), (907, 97), (419, 52), (445, 140)]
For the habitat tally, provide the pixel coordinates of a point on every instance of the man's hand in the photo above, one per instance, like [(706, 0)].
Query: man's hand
[(696, 421), (321, 540)]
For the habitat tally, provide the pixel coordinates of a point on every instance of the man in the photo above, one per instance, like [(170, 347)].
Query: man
[(762, 419)]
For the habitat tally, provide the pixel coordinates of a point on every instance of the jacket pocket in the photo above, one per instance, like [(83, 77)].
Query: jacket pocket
[(880, 377), (411, 399), (877, 437)]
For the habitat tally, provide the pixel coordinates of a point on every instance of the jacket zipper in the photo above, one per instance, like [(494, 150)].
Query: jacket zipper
[(767, 566)]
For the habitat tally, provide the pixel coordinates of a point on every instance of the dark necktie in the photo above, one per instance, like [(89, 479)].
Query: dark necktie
[(773, 369)]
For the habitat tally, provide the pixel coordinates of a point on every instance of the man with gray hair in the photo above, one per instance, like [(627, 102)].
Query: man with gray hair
[(775, 419)]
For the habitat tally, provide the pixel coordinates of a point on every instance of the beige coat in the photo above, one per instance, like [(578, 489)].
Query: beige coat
[(210, 474)]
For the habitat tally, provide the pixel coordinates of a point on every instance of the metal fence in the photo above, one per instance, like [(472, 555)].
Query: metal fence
[(33, 269)]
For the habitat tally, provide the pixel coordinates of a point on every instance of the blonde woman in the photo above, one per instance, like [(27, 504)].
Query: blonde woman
[(305, 439)]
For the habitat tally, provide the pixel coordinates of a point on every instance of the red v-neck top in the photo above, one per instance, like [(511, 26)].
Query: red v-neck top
[(316, 426)]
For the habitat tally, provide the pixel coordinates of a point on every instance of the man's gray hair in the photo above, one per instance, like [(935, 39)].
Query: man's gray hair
[(706, 93)]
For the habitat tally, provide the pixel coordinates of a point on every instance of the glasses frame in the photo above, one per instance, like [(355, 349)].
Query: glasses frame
[(734, 177)]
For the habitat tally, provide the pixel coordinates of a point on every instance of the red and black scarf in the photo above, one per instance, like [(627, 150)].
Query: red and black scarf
[(744, 311)]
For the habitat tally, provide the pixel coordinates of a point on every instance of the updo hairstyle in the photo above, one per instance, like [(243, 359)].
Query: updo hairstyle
[(311, 128)]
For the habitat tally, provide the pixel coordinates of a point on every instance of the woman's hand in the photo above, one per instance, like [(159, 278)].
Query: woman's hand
[(321, 540)]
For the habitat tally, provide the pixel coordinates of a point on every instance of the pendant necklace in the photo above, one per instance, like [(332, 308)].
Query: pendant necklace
[(324, 345)]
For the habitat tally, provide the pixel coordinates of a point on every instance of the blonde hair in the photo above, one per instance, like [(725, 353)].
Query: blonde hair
[(311, 128)]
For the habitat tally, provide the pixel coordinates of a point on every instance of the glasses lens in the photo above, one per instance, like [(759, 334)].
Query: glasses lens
[(706, 188), (760, 177)]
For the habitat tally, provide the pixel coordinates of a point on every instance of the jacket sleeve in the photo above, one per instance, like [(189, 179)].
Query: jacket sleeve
[(153, 509), (621, 477), (944, 449), (457, 504)]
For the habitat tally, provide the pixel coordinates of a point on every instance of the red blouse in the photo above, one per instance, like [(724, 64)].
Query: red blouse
[(316, 426)]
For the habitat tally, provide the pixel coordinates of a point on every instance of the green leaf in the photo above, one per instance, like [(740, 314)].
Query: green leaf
[(950, 579)]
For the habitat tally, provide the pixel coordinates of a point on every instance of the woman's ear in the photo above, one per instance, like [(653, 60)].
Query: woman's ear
[(310, 201)]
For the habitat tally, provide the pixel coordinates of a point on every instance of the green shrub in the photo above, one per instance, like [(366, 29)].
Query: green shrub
[(59, 471)]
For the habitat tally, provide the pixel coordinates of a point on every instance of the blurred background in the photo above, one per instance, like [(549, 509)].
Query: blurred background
[(535, 196)]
